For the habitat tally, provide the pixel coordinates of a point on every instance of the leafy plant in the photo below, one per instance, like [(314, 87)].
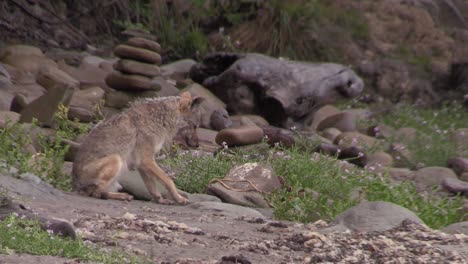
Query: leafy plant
[(47, 163)]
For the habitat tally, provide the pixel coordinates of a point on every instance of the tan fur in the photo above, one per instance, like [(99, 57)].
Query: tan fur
[(130, 140)]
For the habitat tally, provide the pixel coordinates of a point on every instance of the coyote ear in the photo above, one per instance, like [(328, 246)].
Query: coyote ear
[(185, 101)]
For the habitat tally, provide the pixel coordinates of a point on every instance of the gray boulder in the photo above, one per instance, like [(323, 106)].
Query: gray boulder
[(373, 216), (457, 228)]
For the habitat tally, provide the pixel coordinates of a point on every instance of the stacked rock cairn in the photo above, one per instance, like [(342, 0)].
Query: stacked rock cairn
[(138, 63)]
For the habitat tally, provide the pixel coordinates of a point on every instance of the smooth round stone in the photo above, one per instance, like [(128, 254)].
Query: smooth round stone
[(455, 186), (331, 133), (321, 114), (144, 44), (380, 159), (138, 68), (347, 139), (239, 136), (277, 135), (401, 174), (139, 54), (343, 121), (430, 177), (458, 165), (239, 120), (127, 82)]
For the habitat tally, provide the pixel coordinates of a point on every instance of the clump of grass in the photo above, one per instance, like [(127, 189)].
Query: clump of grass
[(199, 170), (26, 237), (48, 162), (316, 187), (301, 29)]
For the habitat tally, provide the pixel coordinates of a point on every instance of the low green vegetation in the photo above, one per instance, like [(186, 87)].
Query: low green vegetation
[(431, 146), (16, 141), (316, 187), (19, 236)]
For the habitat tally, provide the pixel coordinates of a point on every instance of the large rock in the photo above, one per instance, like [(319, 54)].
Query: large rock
[(430, 177), (20, 50), (375, 216), (44, 108), (129, 82), (207, 139), (84, 103), (246, 185), (138, 54), (51, 76), (138, 68), (276, 89), (212, 111), (88, 75), (29, 63), (456, 186), (165, 88), (177, 70)]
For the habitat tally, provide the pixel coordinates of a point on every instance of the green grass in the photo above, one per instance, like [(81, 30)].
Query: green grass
[(432, 146), (48, 162), (316, 187), (26, 237)]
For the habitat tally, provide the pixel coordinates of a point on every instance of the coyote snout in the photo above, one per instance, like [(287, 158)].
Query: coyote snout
[(130, 140)]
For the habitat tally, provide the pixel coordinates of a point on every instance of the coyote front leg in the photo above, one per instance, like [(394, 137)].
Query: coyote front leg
[(151, 172)]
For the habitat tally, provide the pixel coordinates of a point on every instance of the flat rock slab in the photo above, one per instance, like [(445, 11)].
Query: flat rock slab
[(173, 234), (138, 54)]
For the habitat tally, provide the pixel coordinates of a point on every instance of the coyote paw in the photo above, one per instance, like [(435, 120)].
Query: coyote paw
[(182, 200), (164, 201)]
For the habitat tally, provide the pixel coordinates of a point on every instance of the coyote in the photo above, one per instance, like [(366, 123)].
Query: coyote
[(130, 140)]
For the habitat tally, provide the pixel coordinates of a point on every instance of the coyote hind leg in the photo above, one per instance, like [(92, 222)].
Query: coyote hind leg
[(109, 168)]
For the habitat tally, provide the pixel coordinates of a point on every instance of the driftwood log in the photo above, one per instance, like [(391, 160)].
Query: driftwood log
[(282, 91)]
